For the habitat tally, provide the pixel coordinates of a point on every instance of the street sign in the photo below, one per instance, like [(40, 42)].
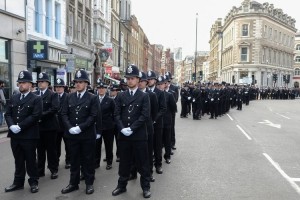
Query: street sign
[(67, 56), (70, 65), (37, 50)]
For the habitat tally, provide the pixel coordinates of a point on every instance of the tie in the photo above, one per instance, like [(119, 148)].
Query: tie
[(23, 96), (131, 93), (78, 96), (101, 99), (41, 94)]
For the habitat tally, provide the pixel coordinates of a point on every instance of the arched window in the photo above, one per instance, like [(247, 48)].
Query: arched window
[(297, 59), (298, 47)]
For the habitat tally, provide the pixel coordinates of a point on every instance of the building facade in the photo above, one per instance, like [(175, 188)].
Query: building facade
[(296, 78), (258, 42), (12, 43), (157, 56)]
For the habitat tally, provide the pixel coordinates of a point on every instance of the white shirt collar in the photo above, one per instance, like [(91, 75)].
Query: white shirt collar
[(144, 90), (81, 93), (133, 91), (25, 94)]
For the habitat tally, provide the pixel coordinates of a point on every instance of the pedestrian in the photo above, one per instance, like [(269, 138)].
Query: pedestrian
[(22, 116), (131, 114), (79, 114), (48, 126), (59, 87)]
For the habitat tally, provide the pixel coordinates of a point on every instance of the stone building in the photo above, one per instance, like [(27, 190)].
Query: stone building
[(296, 78), (257, 42)]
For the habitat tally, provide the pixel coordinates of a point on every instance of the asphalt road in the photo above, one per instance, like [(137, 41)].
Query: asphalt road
[(250, 154)]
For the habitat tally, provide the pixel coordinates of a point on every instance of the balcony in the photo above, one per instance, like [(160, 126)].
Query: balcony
[(98, 14)]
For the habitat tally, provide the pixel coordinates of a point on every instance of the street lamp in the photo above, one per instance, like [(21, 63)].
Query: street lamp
[(196, 47)]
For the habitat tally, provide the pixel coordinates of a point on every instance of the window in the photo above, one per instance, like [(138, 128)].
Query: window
[(57, 20), (79, 29), (244, 54), (86, 33), (298, 47), (16, 7), (38, 20), (245, 30), (266, 31), (71, 23), (275, 35), (48, 17), (297, 59), (279, 37), (297, 71), (270, 33)]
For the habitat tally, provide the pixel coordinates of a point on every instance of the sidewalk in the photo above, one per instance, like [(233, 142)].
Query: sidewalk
[(3, 128)]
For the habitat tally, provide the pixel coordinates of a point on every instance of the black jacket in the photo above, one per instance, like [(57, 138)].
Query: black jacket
[(105, 118), (171, 108), (82, 113), (162, 108), (133, 112), (61, 103), (25, 113)]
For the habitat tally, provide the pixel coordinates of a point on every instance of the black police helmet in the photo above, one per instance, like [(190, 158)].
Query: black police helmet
[(81, 75), (43, 77), (101, 84), (151, 75), (24, 76), (59, 82), (132, 71), (143, 76), (161, 80)]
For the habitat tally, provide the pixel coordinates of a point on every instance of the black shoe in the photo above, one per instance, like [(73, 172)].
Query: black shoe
[(118, 160), (152, 179), (34, 188), (67, 166), (159, 170), (69, 188), (14, 187), (211, 118), (173, 147), (82, 177), (104, 160), (118, 191), (132, 177), (168, 161), (172, 153), (146, 194), (89, 189), (54, 175), (108, 167)]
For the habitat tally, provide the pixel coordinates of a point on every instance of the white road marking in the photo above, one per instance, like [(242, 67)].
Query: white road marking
[(244, 132), (230, 117), (278, 168), (269, 123), (270, 109), (283, 116), (295, 179)]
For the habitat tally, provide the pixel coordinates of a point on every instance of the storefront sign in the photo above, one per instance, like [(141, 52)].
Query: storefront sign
[(37, 50)]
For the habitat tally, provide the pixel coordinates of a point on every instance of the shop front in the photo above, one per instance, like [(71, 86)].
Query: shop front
[(5, 72)]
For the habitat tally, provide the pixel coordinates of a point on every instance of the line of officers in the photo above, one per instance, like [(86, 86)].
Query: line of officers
[(212, 99), (140, 115)]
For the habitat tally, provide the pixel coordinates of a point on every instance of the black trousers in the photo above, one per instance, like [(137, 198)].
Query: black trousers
[(60, 137), (47, 145), (24, 152), (184, 108), (167, 142), (138, 149), (173, 139), (213, 109), (196, 110), (108, 137), (82, 154), (157, 145), (117, 141)]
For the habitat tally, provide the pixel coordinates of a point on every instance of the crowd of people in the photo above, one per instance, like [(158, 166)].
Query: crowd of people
[(139, 115)]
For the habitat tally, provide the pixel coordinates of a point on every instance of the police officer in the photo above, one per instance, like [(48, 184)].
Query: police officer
[(79, 114), (59, 87), (185, 98), (48, 126), (196, 103), (132, 113), (22, 116), (105, 125), (158, 120)]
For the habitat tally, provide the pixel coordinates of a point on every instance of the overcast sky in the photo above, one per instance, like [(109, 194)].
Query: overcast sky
[(172, 23)]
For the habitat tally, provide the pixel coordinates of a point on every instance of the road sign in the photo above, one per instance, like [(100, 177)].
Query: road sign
[(67, 56)]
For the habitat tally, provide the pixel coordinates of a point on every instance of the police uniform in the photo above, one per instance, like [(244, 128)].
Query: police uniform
[(131, 114), (105, 127), (184, 102), (158, 123), (48, 126), (22, 116), (60, 133), (79, 114)]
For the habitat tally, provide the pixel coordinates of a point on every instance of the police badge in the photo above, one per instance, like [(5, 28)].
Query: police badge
[(58, 81), (41, 75), (149, 73), (21, 75), (159, 79), (129, 70), (78, 74), (140, 74)]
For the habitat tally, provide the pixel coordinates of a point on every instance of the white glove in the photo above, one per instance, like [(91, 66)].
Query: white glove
[(189, 98), (126, 131), (98, 136), (72, 131), (77, 130), (212, 99), (15, 128)]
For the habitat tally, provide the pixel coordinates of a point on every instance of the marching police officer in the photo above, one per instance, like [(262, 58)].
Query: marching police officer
[(131, 114), (22, 116), (158, 120), (184, 101), (59, 87), (48, 126), (105, 125), (79, 114)]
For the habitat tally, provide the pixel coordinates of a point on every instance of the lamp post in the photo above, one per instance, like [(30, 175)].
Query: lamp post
[(196, 47)]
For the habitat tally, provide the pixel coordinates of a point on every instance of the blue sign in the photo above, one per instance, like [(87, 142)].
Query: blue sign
[(37, 50)]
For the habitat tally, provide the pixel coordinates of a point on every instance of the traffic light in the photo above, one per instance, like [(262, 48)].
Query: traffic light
[(194, 76), (288, 78)]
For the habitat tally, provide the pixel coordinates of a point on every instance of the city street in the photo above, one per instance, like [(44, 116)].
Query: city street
[(249, 154)]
